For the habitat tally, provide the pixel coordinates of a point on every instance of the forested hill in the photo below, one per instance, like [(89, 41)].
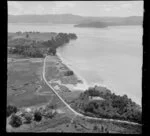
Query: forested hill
[(50, 18), (101, 102), (72, 19), (107, 22)]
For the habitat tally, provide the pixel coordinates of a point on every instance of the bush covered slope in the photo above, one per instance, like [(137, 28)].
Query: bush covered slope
[(112, 106)]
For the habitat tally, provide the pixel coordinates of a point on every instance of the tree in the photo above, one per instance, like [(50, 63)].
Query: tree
[(51, 106), (72, 36), (96, 128), (27, 35), (15, 121), (68, 73), (49, 114), (37, 116), (52, 51), (28, 118), (11, 109), (102, 129), (19, 32)]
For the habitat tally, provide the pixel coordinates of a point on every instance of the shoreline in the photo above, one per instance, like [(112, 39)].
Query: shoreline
[(84, 86), (79, 86), (80, 77)]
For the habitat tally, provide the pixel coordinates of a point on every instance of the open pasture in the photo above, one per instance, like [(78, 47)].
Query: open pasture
[(24, 79), (55, 69), (33, 35)]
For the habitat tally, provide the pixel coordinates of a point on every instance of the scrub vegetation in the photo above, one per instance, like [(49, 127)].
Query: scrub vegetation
[(23, 44), (112, 106)]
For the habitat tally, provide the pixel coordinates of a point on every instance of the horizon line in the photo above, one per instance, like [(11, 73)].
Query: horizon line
[(73, 15)]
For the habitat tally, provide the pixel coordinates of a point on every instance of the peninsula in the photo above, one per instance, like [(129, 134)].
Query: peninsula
[(39, 90)]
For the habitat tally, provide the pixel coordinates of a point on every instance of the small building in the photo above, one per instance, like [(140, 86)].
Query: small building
[(95, 98), (28, 110)]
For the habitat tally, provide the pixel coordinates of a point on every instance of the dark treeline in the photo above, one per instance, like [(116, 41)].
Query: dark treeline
[(29, 47), (113, 106)]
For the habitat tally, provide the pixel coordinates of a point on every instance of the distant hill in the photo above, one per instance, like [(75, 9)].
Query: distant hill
[(55, 19), (134, 20), (74, 19)]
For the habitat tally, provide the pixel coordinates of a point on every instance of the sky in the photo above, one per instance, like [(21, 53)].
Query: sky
[(83, 8)]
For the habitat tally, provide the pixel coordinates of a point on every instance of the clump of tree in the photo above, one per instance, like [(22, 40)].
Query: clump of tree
[(52, 106), (72, 36), (27, 51), (27, 35), (52, 51), (113, 106), (32, 48), (19, 33), (37, 116), (11, 109), (49, 114), (96, 128), (68, 73), (15, 121), (27, 117)]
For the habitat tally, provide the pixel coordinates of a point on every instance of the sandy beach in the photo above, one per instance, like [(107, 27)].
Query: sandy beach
[(79, 86)]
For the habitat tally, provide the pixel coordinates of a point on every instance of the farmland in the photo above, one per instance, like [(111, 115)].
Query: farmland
[(24, 79)]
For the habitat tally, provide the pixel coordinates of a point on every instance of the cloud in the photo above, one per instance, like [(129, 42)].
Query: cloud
[(93, 8), (108, 9), (37, 9), (14, 7), (62, 6), (14, 4), (116, 7), (126, 5), (54, 7)]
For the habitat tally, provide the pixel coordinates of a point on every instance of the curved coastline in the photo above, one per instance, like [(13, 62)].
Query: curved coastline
[(79, 86), (84, 86)]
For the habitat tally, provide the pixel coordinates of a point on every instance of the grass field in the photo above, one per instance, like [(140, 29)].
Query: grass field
[(23, 81), (55, 70), (15, 56), (34, 36), (55, 73), (26, 88)]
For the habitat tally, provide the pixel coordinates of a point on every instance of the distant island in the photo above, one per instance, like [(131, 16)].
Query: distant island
[(118, 22)]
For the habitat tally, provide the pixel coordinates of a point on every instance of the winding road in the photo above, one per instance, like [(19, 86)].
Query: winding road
[(75, 112)]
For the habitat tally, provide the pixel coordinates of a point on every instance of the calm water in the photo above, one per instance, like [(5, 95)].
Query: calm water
[(110, 56)]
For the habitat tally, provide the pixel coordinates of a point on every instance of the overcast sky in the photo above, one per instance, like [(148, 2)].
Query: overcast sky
[(83, 8)]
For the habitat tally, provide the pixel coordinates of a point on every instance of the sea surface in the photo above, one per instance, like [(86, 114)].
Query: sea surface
[(106, 56)]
